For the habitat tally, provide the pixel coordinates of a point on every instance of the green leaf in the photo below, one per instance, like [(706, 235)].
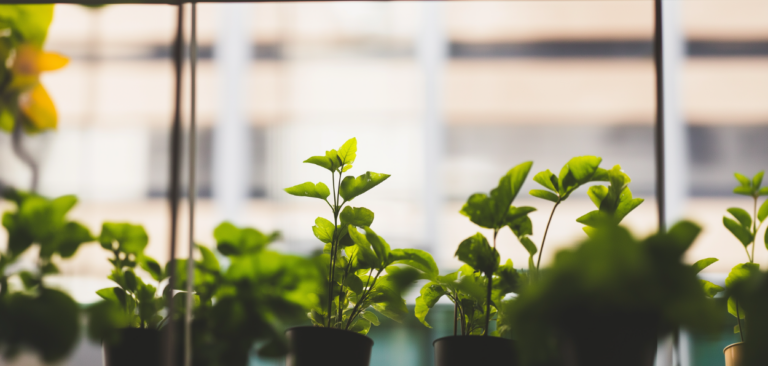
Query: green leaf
[(742, 216), (30, 21), (130, 238), (152, 267), (626, 207), (744, 191), (130, 280), (583, 168), (348, 151), (70, 237), (522, 226), (744, 181), (741, 272), (321, 161), (547, 195), (208, 260), (757, 180), (517, 176), (333, 157), (309, 189), (371, 317), (115, 294), (354, 283), (763, 212), (684, 234), (430, 294), (357, 216), (595, 218), (365, 253), (323, 230), (353, 187), (415, 258), (388, 302), (703, 263), (476, 252), (529, 245), (361, 326), (546, 179), (379, 245), (744, 236), (597, 194), (763, 191), (480, 210), (732, 310), (710, 289)]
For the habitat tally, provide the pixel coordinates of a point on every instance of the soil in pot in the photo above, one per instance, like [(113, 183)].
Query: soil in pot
[(734, 354), (312, 346), (475, 350), (609, 340), (135, 347)]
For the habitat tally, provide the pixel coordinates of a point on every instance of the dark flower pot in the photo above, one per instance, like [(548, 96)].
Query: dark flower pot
[(134, 347), (313, 346), (626, 340), (475, 350)]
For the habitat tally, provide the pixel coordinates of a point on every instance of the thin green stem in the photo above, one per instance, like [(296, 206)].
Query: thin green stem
[(546, 230), (331, 261), (738, 318), (455, 312), (358, 307), (489, 278), (754, 231)]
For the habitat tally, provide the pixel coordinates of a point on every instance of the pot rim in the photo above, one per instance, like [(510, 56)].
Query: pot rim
[(732, 345), (326, 329), (490, 338)]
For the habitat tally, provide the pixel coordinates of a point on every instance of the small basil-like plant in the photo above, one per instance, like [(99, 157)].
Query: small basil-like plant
[(745, 229), (37, 317), (613, 202), (139, 300), (363, 272), (495, 211), (577, 172)]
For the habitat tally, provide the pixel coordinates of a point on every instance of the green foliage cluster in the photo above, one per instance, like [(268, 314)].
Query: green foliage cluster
[(249, 301), (37, 317), (138, 300), (750, 291), (745, 228), (363, 271), (612, 275)]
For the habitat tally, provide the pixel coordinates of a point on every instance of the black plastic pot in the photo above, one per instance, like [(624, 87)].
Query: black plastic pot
[(626, 340), (134, 347), (475, 350), (314, 346)]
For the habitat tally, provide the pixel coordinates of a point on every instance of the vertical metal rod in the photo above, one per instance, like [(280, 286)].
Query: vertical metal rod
[(192, 188), (658, 57), (173, 189)]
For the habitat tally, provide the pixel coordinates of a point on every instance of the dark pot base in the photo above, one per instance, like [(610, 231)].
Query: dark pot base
[(135, 347), (475, 350), (314, 346)]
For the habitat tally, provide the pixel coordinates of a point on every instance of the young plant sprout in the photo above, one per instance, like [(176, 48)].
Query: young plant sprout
[(745, 229), (358, 261)]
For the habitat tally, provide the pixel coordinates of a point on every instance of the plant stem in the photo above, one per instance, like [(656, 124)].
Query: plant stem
[(754, 230), (738, 318), (489, 277), (546, 230), (340, 319), (455, 312), (358, 307), (333, 251), (22, 154)]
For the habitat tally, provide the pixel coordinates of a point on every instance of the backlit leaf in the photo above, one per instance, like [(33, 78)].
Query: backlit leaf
[(744, 191), (744, 181), (480, 210), (546, 178), (703, 263), (742, 216), (547, 195), (430, 294), (763, 212), (415, 258), (476, 252), (321, 161), (348, 151), (357, 216), (309, 189), (757, 180), (710, 289), (323, 230), (353, 187), (597, 194), (744, 236)]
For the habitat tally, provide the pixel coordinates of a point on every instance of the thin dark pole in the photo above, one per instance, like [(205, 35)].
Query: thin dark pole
[(173, 189), (658, 57), (192, 190)]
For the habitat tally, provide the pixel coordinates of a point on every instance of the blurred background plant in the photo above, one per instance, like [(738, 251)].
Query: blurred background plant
[(25, 106)]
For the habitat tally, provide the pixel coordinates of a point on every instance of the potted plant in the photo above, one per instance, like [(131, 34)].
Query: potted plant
[(478, 288), (745, 229), (606, 301), (36, 317), (363, 272), (750, 292), (137, 322), (248, 302)]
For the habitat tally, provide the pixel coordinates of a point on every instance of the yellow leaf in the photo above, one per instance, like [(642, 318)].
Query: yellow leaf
[(38, 107), (49, 61)]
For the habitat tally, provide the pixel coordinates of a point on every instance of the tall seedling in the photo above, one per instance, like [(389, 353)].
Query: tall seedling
[(495, 211), (745, 229), (336, 234), (577, 172)]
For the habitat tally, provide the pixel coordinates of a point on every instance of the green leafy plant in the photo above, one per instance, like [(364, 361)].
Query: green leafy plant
[(248, 302), (495, 211), (363, 271), (613, 202), (37, 317), (750, 291), (139, 300), (577, 172), (613, 278), (745, 229)]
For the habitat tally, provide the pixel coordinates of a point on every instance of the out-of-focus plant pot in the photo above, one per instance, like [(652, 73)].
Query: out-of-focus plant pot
[(313, 346), (475, 350), (626, 340), (134, 347), (734, 354)]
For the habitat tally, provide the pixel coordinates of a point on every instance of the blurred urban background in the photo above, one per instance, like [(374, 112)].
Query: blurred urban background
[(446, 97)]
